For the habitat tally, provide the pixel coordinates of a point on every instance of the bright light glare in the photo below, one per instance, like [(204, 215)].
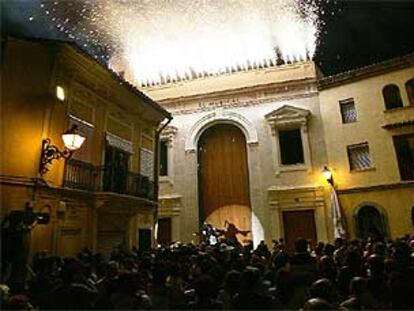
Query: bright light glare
[(72, 141), (60, 93), (211, 37), (160, 41)]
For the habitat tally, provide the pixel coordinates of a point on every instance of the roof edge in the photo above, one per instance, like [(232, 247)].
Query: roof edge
[(366, 71), (113, 74)]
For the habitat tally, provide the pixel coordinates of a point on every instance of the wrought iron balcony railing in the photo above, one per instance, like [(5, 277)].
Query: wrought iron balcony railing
[(86, 176)]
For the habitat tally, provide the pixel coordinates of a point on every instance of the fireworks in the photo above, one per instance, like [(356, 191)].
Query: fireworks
[(158, 41)]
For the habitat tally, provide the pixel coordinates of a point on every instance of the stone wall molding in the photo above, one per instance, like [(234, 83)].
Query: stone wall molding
[(220, 116)]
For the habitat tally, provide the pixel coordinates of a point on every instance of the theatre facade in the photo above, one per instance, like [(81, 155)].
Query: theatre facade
[(246, 148), (249, 148)]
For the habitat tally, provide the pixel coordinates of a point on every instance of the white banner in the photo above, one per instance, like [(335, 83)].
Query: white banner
[(338, 222)]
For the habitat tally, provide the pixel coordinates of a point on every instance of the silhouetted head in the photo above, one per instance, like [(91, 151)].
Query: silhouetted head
[(205, 287), (322, 288), (232, 281), (250, 280), (317, 304), (358, 286), (280, 260), (329, 249), (301, 245), (376, 264), (401, 252)]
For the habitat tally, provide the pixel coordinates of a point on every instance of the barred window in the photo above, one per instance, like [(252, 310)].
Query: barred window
[(359, 157), (348, 111)]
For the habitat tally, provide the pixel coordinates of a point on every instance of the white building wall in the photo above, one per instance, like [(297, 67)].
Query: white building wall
[(247, 109)]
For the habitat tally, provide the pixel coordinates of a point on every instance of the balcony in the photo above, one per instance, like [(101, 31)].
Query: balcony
[(399, 117), (86, 176)]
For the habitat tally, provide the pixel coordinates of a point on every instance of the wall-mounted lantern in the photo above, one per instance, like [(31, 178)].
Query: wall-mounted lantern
[(72, 140), (326, 172), (60, 93)]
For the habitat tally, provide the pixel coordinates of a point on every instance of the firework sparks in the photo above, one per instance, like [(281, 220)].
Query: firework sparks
[(158, 41)]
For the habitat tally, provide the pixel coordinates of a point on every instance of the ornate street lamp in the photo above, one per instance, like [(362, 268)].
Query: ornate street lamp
[(72, 140), (326, 172)]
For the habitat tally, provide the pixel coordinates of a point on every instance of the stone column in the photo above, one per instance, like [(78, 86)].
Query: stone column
[(255, 185), (190, 198)]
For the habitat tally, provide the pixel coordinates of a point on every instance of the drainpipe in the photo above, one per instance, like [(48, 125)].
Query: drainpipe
[(157, 166)]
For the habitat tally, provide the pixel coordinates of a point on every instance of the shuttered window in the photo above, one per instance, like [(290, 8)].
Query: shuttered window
[(348, 111), (359, 157)]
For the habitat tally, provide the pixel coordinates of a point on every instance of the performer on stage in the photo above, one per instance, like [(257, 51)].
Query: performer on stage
[(231, 231)]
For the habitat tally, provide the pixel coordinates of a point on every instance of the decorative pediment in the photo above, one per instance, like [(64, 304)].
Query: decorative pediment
[(287, 116)]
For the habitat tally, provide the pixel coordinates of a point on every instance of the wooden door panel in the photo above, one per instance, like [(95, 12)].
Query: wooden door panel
[(223, 177), (164, 230), (299, 224)]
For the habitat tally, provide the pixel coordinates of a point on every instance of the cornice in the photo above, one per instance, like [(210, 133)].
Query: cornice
[(240, 104), (392, 186), (261, 90), (106, 75), (367, 72)]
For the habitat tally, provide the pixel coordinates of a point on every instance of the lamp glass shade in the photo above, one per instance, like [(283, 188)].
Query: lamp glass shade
[(326, 172), (60, 93), (73, 141)]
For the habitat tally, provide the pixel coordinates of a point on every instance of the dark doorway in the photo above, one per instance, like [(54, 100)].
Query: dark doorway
[(116, 170), (144, 239), (164, 231), (370, 222), (299, 224), (223, 178)]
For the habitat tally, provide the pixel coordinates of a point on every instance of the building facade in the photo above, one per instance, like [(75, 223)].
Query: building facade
[(368, 117), (249, 148), (104, 194), (245, 148)]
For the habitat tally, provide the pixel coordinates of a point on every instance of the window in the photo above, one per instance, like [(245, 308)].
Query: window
[(348, 111), (409, 86), (392, 97), (404, 148), (291, 149), (358, 156), (370, 222), (163, 158), (116, 170)]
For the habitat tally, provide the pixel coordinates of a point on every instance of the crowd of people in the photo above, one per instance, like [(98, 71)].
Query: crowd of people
[(348, 275)]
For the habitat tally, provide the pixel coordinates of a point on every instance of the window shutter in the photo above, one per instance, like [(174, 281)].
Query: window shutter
[(359, 157), (348, 111)]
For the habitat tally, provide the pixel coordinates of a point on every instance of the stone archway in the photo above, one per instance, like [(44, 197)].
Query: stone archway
[(224, 196), (221, 116)]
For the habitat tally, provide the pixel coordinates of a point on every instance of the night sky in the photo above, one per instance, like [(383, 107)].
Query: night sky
[(355, 33)]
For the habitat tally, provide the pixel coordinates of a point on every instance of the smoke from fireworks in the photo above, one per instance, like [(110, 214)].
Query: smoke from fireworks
[(156, 41)]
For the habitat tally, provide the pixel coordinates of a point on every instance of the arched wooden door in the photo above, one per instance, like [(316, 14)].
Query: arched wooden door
[(223, 178)]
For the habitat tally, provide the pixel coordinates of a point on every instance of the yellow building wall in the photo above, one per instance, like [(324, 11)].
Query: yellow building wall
[(31, 112), (397, 204), (371, 117)]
